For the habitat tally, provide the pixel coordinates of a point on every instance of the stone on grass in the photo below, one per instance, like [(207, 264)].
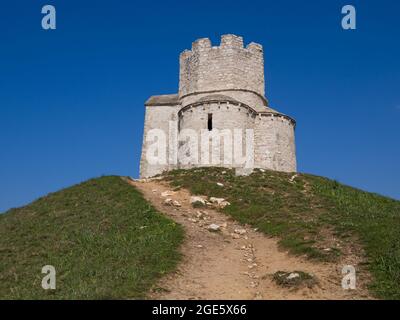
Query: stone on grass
[(293, 275), (243, 171), (220, 202), (197, 201)]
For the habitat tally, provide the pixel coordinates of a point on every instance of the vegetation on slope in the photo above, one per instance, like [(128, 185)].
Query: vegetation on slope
[(305, 212), (104, 240)]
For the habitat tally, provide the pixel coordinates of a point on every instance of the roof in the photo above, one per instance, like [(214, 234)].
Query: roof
[(163, 100), (270, 110), (217, 97)]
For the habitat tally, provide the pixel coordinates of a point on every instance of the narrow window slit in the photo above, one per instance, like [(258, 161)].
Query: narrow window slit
[(209, 122)]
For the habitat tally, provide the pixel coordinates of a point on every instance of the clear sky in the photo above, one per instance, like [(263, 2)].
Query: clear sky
[(71, 99)]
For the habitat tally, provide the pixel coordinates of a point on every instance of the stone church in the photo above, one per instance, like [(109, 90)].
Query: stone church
[(221, 88)]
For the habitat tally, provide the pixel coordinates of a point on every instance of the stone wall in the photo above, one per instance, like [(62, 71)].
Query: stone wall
[(226, 117), (275, 143), (158, 117)]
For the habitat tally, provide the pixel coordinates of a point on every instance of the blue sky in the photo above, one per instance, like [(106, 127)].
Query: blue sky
[(71, 100)]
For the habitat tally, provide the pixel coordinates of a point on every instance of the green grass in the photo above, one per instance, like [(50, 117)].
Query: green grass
[(306, 213), (104, 240)]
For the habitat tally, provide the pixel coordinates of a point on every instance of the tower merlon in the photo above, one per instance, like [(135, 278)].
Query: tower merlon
[(201, 44), (255, 47), (231, 41), (185, 54)]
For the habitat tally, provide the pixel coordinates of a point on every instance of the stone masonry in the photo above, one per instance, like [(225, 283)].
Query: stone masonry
[(221, 89)]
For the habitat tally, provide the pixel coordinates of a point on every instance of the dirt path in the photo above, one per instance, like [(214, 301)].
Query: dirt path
[(226, 265)]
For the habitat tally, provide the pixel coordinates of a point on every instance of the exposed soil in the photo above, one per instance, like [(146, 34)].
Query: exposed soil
[(228, 265)]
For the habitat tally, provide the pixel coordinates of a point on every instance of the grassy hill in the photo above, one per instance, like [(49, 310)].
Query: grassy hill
[(104, 240), (306, 212)]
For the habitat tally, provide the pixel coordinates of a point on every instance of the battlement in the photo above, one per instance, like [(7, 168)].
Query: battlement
[(228, 41)]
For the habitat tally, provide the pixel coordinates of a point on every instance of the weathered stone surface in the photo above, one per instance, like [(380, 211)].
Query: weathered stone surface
[(243, 171), (293, 275), (226, 81), (176, 203), (197, 199), (214, 227), (216, 200), (220, 202), (240, 231)]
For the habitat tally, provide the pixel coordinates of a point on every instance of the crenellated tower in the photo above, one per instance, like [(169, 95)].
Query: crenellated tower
[(229, 69)]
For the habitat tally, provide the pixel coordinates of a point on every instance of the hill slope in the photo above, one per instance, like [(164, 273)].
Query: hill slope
[(311, 215), (104, 240), (237, 262)]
